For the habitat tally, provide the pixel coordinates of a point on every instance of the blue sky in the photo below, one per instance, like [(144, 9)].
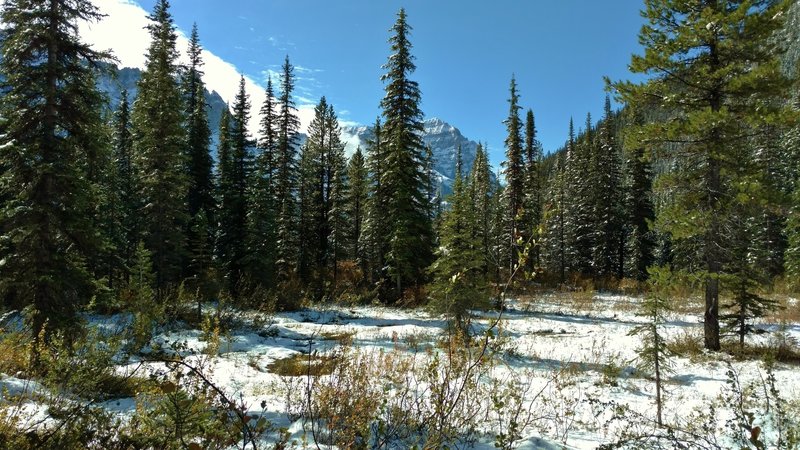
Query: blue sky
[(466, 52)]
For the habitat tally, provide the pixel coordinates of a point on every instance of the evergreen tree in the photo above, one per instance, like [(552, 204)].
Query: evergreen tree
[(285, 184), (554, 219), (459, 281), (234, 201), (580, 213), (640, 214), (404, 179), (533, 190), (358, 180), (323, 220), (200, 197), (608, 234), (262, 214), (337, 194), (479, 186), (49, 115), (226, 213), (159, 147), (710, 64), (126, 184), (498, 231), (375, 233), (514, 171), (653, 354)]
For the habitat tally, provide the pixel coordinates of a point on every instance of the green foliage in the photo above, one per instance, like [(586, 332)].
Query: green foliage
[(200, 195), (459, 279), (654, 354), (403, 178), (139, 297), (233, 243), (713, 72), (52, 151), (159, 140), (514, 171), (286, 182), (356, 204), (262, 214)]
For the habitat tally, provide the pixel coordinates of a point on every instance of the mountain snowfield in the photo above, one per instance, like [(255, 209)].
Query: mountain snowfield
[(443, 138)]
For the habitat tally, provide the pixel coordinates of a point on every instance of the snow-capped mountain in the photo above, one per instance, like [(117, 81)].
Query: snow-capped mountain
[(126, 78), (443, 139)]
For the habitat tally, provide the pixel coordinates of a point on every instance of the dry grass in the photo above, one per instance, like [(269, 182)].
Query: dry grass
[(688, 343), (788, 312), (14, 352), (301, 364), (343, 338)]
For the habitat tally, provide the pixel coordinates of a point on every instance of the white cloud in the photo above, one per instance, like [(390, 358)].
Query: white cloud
[(124, 31)]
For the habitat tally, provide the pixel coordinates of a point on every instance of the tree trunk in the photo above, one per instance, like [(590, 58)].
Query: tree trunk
[(658, 376)]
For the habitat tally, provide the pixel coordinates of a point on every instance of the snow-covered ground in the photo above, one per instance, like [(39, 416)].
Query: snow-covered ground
[(575, 359)]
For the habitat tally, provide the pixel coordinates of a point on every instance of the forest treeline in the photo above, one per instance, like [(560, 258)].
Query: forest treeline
[(103, 210)]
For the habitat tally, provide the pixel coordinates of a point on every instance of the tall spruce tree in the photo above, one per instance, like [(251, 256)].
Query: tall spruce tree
[(336, 196), (200, 196), (479, 185), (554, 216), (580, 218), (358, 180), (404, 179), (126, 184), (459, 280), (606, 193), (322, 227), (640, 213), (235, 193), (285, 184), (514, 171), (711, 65), (533, 190), (159, 146), (51, 126), (262, 214), (375, 233), (224, 240)]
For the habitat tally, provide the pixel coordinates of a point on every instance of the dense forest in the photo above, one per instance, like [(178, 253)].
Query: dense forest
[(690, 190)]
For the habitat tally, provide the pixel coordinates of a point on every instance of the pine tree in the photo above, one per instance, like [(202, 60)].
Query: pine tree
[(654, 355), (607, 200), (337, 194), (358, 180), (262, 224), (226, 212), (234, 201), (285, 184), (459, 280), (711, 65), (640, 214), (126, 184), (554, 220), (790, 141), (200, 197), (479, 187), (159, 147), (514, 171), (533, 190), (404, 180), (51, 126), (375, 233), (580, 211)]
